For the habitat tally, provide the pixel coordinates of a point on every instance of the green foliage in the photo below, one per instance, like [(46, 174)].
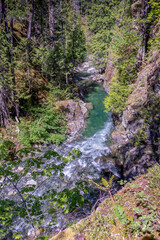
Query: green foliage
[(155, 43), (154, 13), (31, 66), (125, 45), (140, 137), (122, 182), (144, 221), (48, 125), (42, 238), (106, 184), (120, 214), (69, 200), (121, 41), (124, 50), (133, 213), (24, 202), (6, 148), (101, 19), (5, 73), (145, 213), (56, 93), (154, 181), (153, 19), (69, 45), (95, 228), (118, 94)]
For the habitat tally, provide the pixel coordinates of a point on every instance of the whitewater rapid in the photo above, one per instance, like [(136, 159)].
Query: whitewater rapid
[(92, 149)]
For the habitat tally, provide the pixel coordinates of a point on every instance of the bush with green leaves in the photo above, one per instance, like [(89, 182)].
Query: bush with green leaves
[(22, 200), (118, 94), (6, 149), (154, 11), (48, 125), (153, 19)]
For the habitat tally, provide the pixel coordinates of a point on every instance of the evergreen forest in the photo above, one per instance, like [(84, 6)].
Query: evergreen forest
[(43, 43)]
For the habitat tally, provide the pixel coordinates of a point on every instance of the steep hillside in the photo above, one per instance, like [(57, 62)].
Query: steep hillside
[(136, 135), (132, 213), (135, 103)]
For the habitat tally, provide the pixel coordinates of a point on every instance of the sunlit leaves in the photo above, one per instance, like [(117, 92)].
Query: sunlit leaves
[(69, 200), (26, 202)]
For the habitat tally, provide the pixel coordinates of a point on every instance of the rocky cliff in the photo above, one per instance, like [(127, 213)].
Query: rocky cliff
[(136, 139), (75, 113)]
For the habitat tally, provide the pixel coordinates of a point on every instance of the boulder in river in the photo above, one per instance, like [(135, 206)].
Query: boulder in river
[(76, 112)]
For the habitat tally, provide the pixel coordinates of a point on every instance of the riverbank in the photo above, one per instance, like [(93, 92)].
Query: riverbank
[(132, 213), (90, 164)]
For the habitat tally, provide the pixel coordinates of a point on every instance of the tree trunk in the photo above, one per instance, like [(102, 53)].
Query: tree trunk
[(4, 111), (4, 96), (74, 13), (73, 31), (4, 16), (63, 42), (0, 11), (29, 31), (143, 33), (14, 97), (51, 23), (30, 22), (66, 69)]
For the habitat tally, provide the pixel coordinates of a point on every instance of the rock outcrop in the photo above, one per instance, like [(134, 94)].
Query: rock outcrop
[(76, 112), (109, 72), (137, 130)]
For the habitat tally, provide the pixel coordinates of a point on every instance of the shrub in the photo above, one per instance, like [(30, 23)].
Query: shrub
[(118, 94), (48, 125)]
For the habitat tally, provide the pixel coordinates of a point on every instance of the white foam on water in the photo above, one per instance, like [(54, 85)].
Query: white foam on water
[(91, 149)]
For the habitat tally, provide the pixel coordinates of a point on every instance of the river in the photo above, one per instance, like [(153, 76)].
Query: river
[(92, 145), (92, 142)]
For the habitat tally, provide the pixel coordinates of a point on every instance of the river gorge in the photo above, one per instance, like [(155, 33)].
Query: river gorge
[(91, 163)]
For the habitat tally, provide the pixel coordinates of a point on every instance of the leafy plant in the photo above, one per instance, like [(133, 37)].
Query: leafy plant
[(7, 150), (118, 94), (95, 228), (106, 185), (48, 125), (24, 201), (140, 136), (121, 215)]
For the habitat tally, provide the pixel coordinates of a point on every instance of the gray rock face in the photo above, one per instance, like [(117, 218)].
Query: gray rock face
[(76, 112), (131, 123), (136, 138)]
